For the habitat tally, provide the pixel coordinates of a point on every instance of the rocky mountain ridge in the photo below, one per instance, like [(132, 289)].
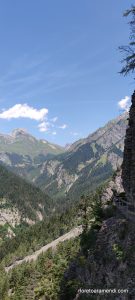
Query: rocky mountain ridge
[(86, 164), (66, 174), (22, 143)]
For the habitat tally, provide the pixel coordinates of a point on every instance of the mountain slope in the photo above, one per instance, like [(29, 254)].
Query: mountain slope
[(20, 202), (86, 164), (67, 236), (22, 152), (22, 143)]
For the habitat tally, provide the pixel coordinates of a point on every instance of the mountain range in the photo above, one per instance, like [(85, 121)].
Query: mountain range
[(66, 173), (87, 163)]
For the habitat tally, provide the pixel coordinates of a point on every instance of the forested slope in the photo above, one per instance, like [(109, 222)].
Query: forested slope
[(20, 202)]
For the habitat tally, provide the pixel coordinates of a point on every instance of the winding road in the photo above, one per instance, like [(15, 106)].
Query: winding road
[(71, 234)]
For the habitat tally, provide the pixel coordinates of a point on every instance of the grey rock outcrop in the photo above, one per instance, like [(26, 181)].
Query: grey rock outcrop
[(128, 166)]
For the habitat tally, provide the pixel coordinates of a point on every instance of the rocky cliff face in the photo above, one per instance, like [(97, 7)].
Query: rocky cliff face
[(109, 260), (128, 167), (110, 265)]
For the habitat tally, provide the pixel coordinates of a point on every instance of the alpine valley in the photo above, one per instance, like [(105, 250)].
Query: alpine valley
[(67, 213), (66, 173), (52, 239)]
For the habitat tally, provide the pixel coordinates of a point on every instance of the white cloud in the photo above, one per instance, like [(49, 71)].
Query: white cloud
[(64, 126), (124, 103), (24, 111), (40, 115), (44, 126)]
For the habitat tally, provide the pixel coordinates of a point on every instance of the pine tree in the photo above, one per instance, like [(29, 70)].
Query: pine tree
[(129, 50)]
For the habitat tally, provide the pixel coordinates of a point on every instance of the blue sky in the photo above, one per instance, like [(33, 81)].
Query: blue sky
[(59, 64)]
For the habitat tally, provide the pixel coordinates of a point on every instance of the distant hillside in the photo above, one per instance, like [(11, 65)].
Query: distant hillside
[(22, 152), (22, 143), (20, 202), (87, 163)]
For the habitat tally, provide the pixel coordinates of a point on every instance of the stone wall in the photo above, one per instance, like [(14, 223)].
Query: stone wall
[(128, 166)]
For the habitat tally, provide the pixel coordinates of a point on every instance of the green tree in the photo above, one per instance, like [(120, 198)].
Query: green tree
[(129, 50), (83, 208), (4, 285)]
